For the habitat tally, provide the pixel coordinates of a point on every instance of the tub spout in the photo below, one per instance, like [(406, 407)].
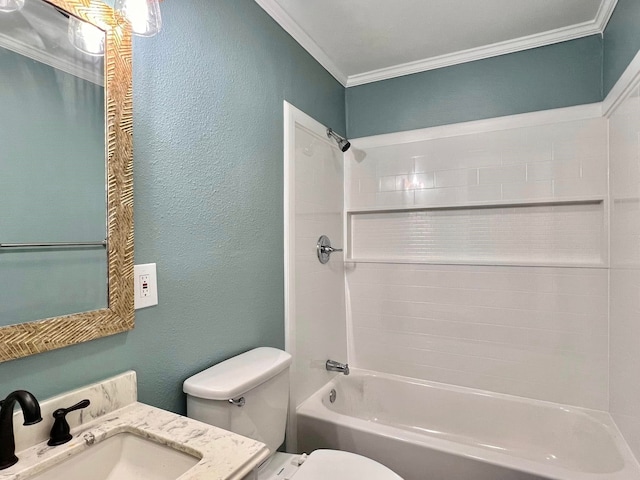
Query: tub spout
[(334, 366)]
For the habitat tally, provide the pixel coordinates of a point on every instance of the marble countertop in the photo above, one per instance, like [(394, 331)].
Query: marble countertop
[(224, 455)]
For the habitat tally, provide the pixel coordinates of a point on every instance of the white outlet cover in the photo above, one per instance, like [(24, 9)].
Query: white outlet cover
[(146, 270)]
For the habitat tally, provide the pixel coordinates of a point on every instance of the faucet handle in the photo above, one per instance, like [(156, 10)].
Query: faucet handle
[(60, 432)]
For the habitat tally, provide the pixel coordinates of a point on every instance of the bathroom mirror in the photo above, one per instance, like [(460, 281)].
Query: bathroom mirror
[(69, 201), (52, 160)]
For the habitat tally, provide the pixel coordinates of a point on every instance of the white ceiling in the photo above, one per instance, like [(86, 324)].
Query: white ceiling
[(361, 41)]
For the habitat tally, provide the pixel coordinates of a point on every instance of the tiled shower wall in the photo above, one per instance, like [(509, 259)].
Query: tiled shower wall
[(319, 289), (525, 325), (624, 127), (556, 161)]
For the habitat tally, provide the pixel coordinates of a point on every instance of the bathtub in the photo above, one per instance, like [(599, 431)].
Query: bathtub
[(430, 431)]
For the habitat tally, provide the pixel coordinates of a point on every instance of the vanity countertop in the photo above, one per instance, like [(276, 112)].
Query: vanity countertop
[(224, 455)]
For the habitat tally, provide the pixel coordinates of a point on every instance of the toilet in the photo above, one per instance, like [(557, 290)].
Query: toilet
[(249, 395)]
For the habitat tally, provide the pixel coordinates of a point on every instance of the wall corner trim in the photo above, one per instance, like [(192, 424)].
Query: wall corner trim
[(627, 82), (289, 25), (604, 13)]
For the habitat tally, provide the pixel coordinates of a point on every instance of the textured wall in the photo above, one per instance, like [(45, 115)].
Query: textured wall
[(554, 76), (208, 140), (621, 41)]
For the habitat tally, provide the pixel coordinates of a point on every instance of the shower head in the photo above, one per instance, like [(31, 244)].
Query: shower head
[(342, 142)]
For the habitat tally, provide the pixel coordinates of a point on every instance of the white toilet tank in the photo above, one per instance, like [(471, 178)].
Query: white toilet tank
[(257, 379)]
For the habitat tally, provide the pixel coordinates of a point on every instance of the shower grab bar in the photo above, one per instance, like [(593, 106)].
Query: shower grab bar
[(102, 243)]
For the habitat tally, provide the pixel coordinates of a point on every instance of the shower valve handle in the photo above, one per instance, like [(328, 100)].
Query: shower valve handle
[(324, 249)]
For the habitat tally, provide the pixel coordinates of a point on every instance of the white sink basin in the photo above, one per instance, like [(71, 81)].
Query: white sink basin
[(122, 457)]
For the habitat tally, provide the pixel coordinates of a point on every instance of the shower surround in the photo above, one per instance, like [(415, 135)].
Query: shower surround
[(495, 255), (477, 255)]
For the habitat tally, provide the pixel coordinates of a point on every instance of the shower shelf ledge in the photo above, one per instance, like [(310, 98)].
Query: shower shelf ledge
[(475, 263), (469, 205), (558, 233)]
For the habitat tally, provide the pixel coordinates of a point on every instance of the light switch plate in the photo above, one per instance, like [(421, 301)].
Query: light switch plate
[(145, 285)]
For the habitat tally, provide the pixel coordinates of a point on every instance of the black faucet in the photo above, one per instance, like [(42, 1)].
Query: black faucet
[(30, 411)]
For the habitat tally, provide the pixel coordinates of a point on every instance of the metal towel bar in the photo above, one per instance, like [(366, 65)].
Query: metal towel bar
[(102, 243)]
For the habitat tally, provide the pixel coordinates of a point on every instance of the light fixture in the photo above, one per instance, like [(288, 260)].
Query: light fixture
[(11, 5), (86, 37), (144, 16)]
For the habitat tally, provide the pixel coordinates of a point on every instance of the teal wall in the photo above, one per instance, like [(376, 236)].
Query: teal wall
[(554, 76), (621, 41), (208, 138), (52, 175)]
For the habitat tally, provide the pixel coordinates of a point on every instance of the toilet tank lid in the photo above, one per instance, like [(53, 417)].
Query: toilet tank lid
[(237, 375)]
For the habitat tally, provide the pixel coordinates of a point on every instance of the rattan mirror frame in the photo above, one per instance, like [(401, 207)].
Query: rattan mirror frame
[(29, 338)]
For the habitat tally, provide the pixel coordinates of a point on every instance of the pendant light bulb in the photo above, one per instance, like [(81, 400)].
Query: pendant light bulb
[(7, 6), (144, 16), (85, 37)]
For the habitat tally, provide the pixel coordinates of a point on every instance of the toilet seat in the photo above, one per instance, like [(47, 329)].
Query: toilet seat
[(338, 465)]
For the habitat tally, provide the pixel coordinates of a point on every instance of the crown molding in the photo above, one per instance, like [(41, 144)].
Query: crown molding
[(47, 58), (564, 34), (604, 13), (273, 8), (628, 82)]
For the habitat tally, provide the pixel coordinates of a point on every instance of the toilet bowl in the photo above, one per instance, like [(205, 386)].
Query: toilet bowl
[(323, 465), (248, 395)]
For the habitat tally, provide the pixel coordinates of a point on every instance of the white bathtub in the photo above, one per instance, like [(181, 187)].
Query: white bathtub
[(431, 431)]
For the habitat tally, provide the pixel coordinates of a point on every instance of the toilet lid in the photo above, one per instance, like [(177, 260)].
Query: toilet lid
[(337, 465)]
